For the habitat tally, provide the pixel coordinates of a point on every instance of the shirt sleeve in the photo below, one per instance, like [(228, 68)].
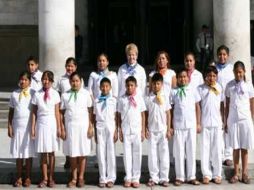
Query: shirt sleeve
[(197, 96), (90, 84), (115, 85), (168, 105), (35, 99), (62, 104), (89, 100), (251, 90), (11, 102), (227, 91), (142, 105), (57, 97), (119, 105)]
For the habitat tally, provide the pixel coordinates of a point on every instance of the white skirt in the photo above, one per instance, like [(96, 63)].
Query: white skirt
[(46, 140), (22, 146), (241, 135), (77, 143)]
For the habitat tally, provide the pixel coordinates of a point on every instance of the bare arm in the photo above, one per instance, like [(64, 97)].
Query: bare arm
[(226, 113), (174, 83), (169, 129), (143, 120), (34, 118), (116, 129), (147, 135), (62, 124), (119, 125), (252, 107), (198, 116), (90, 124), (10, 118), (58, 122), (222, 112)]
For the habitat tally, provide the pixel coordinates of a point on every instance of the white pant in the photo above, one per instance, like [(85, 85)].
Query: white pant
[(158, 157), (132, 147), (211, 146), (185, 145), (106, 155), (227, 151)]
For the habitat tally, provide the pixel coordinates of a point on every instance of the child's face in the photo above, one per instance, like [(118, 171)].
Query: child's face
[(222, 56), (239, 73), (46, 83), (183, 79), (32, 66), (211, 78), (162, 61), (70, 68), (131, 87), (132, 57), (24, 82), (105, 88), (156, 86), (102, 63), (75, 83), (189, 62)]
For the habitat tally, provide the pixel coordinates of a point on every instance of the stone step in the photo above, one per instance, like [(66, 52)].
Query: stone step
[(8, 172), (4, 114), (4, 105), (3, 123)]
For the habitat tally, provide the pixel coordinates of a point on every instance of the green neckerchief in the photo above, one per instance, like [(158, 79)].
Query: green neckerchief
[(181, 91), (73, 94)]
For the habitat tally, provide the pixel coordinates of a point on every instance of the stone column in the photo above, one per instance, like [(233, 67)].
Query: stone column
[(232, 28), (56, 34)]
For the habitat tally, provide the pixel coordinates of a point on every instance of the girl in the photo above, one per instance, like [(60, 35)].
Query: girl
[(22, 147), (103, 71), (195, 77), (239, 115), (76, 128), (225, 74), (162, 63), (46, 126)]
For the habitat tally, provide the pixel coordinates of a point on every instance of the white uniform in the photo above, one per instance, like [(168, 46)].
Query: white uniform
[(240, 125), (105, 124), (184, 123), (76, 117), (46, 140), (22, 146), (36, 80), (138, 72), (131, 127), (94, 83), (224, 76), (196, 79), (158, 152), (211, 135), (167, 80)]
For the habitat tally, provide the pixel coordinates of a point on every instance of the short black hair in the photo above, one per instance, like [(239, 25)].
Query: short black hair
[(180, 70), (105, 80), (32, 58), (69, 60), (131, 79), (48, 74), (223, 47), (26, 74), (157, 77), (75, 74), (210, 69)]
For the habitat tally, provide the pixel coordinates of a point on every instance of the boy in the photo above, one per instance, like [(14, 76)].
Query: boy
[(106, 133), (186, 123), (132, 68), (211, 122), (157, 132), (36, 74), (131, 123)]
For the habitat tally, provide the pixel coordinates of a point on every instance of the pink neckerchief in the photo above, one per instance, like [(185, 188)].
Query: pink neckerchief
[(189, 73), (46, 94), (132, 100), (239, 87)]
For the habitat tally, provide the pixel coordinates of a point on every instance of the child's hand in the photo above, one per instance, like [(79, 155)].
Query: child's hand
[(198, 128), (58, 133), (170, 133), (142, 136), (147, 134), (121, 135), (95, 139), (33, 134), (90, 132), (226, 128), (115, 136), (10, 132), (63, 134)]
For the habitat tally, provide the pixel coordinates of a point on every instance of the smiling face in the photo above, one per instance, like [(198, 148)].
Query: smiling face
[(189, 62), (182, 78), (239, 73), (102, 63), (132, 57), (46, 83), (32, 66), (222, 56), (70, 68), (162, 61), (75, 82), (105, 88), (131, 88), (211, 78), (157, 86), (24, 82)]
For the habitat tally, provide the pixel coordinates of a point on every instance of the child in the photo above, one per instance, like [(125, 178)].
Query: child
[(195, 77), (46, 126), (103, 71), (33, 69), (131, 123), (132, 68), (186, 123), (157, 132), (22, 147), (225, 74), (239, 115), (162, 63), (106, 133), (211, 121), (76, 113)]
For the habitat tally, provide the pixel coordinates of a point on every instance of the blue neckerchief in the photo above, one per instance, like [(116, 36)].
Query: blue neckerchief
[(221, 66), (103, 99), (103, 73), (131, 68)]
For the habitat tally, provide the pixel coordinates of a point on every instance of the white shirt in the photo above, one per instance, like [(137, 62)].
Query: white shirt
[(94, 83), (76, 109), (22, 107), (46, 108), (36, 80), (184, 116), (225, 75), (239, 107), (196, 79), (139, 74), (167, 80), (130, 115), (210, 106), (105, 116), (157, 116)]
